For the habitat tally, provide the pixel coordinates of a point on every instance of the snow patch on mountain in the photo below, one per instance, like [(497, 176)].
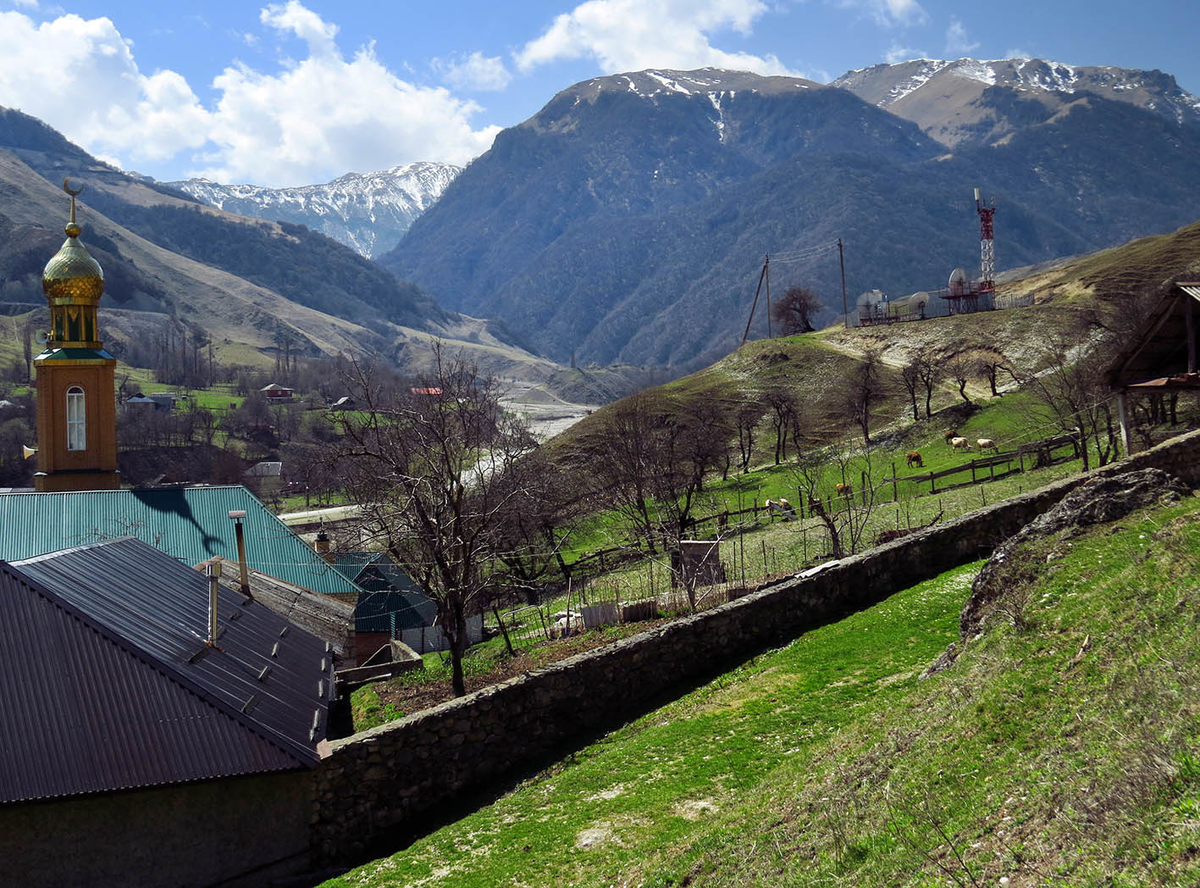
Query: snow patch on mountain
[(368, 212)]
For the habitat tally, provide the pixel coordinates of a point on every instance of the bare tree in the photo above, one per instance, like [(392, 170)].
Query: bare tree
[(910, 375), (844, 507), (928, 368), (863, 387), (795, 311), (424, 461), (748, 415), (649, 454), (1071, 384), (782, 404), (960, 369)]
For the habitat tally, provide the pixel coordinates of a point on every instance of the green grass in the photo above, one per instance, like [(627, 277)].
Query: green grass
[(658, 779), (368, 711), (1057, 751)]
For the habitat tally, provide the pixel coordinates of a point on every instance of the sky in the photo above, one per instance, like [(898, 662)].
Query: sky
[(302, 91)]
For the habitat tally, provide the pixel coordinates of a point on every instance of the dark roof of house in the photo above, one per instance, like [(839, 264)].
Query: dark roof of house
[(387, 590), (109, 683), (190, 523), (1158, 350), (390, 611), (325, 616)]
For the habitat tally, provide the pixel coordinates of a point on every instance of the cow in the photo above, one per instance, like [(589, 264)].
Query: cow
[(949, 434), (914, 459), (986, 444), (960, 443), (782, 508), (844, 490)]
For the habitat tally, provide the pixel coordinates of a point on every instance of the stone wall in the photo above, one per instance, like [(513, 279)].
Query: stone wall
[(379, 782)]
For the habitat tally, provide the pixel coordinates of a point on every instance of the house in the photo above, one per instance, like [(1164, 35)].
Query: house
[(343, 403), (1160, 358), (277, 394), (393, 606), (192, 524), (137, 749), (328, 618), (266, 477)]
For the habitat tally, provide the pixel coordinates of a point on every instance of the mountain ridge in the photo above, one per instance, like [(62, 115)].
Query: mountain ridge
[(368, 212)]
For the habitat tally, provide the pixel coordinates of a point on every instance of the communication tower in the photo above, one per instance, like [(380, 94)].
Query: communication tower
[(987, 244)]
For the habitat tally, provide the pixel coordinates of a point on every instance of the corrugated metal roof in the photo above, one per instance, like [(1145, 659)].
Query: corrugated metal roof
[(190, 523), (391, 600), (110, 685)]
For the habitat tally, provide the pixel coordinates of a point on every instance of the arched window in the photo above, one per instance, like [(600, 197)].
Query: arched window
[(76, 419)]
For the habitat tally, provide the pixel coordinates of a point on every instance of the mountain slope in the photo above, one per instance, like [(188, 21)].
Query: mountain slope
[(629, 218), (301, 265), (594, 187), (368, 212), (965, 101)]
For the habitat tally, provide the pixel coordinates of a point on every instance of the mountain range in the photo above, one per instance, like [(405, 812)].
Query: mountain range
[(368, 212), (629, 218)]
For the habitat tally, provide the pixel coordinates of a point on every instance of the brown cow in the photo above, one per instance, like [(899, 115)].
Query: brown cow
[(960, 443), (844, 490), (914, 459), (949, 434)]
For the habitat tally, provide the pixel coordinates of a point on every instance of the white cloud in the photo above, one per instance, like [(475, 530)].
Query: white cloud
[(80, 77), (957, 41), (1018, 53), (890, 13), (308, 121), (629, 35), (473, 72), (28, 4), (897, 53)]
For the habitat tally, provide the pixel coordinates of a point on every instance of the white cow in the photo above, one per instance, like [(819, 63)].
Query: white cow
[(960, 443), (987, 444)]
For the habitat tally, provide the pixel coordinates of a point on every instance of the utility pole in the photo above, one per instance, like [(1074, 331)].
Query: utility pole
[(767, 272), (845, 307)]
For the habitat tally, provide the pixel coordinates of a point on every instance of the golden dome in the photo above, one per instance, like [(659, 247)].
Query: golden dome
[(73, 272)]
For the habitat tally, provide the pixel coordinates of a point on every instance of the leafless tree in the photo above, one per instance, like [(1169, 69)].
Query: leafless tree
[(749, 414), (928, 369), (961, 368), (782, 405), (845, 511), (650, 454), (424, 462), (862, 388), (910, 375), (795, 311), (1070, 383)]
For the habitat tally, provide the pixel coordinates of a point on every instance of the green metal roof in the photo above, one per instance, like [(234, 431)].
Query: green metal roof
[(190, 523), (73, 354)]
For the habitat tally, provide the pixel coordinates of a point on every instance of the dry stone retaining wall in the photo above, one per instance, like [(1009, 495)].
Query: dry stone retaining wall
[(381, 781)]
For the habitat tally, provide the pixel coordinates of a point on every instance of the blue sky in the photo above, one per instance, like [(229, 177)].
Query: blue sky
[(298, 92)]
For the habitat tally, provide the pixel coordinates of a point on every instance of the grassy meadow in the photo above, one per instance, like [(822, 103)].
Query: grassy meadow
[(1058, 750)]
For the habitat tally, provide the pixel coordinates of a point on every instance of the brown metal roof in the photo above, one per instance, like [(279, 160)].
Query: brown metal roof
[(109, 684), (1158, 351)]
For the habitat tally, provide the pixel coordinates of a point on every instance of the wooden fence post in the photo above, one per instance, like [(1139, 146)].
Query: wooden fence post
[(895, 493)]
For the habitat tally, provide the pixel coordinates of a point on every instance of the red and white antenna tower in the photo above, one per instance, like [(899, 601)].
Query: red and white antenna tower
[(987, 243)]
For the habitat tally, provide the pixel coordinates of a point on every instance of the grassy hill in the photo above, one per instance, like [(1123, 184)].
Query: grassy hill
[(1056, 750)]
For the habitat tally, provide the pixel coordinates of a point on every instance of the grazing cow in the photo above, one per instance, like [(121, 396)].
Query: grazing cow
[(986, 444), (782, 508), (949, 434), (914, 459), (960, 443), (844, 490)]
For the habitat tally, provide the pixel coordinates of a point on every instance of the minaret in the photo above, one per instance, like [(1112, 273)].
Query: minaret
[(76, 403)]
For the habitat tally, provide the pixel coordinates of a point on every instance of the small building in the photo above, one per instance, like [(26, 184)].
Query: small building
[(343, 403), (277, 394), (136, 752), (1161, 356), (392, 606)]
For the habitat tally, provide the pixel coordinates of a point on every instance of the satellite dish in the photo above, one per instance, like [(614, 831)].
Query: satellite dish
[(41, 337)]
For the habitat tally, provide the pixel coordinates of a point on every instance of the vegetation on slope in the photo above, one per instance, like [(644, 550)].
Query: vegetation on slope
[(1056, 750)]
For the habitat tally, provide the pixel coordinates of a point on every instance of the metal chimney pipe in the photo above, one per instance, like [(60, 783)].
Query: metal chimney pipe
[(237, 515), (213, 572)]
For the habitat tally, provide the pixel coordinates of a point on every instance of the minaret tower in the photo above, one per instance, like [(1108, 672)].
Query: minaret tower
[(76, 403)]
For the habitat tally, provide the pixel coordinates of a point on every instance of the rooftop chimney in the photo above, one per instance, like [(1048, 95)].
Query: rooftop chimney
[(237, 515)]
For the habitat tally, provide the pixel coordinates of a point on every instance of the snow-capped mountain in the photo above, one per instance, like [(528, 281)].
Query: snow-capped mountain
[(954, 101), (368, 212)]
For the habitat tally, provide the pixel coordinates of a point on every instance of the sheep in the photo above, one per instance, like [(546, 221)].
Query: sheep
[(914, 459), (960, 443), (949, 434), (986, 444)]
